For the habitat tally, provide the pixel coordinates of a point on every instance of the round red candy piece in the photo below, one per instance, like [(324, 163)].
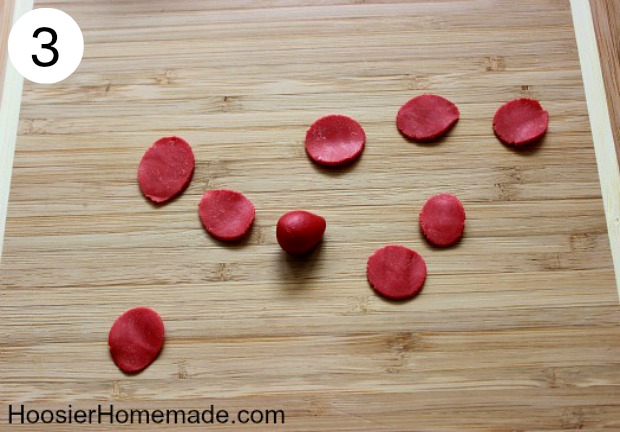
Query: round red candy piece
[(225, 214), (299, 231), (136, 338), (520, 122), (335, 140), (426, 117), (442, 220), (166, 169), (396, 272)]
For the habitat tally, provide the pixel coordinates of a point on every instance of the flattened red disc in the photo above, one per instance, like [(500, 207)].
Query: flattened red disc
[(426, 117), (442, 220), (335, 140), (225, 214), (396, 272), (136, 338), (520, 122), (166, 169)]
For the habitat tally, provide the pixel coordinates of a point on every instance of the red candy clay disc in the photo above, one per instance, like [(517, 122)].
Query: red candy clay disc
[(396, 272), (299, 231), (136, 338), (520, 122), (166, 169), (335, 140), (442, 220), (226, 215), (426, 117)]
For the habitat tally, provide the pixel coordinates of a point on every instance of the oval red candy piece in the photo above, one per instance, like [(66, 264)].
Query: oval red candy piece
[(335, 140), (396, 272), (520, 122), (166, 169), (225, 214), (136, 338), (442, 220), (426, 117), (299, 231)]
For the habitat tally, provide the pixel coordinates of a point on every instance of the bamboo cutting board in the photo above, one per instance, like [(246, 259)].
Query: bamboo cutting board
[(517, 328)]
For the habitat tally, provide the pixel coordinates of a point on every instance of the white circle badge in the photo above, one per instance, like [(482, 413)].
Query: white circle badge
[(46, 45)]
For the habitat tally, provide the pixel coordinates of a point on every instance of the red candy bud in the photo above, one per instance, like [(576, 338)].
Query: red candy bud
[(300, 231)]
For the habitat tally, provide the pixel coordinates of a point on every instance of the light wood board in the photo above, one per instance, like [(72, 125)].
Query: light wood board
[(517, 328)]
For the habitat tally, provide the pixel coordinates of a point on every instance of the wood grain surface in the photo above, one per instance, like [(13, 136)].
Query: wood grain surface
[(517, 328), (606, 15)]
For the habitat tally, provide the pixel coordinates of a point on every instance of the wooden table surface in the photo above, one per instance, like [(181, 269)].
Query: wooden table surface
[(517, 328)]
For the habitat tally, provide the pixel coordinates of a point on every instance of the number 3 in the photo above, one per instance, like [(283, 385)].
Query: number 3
[(48, 46)]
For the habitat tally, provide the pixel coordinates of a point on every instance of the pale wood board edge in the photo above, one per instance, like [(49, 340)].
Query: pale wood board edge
[(602, 136), (9, 120), (6, 17)]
